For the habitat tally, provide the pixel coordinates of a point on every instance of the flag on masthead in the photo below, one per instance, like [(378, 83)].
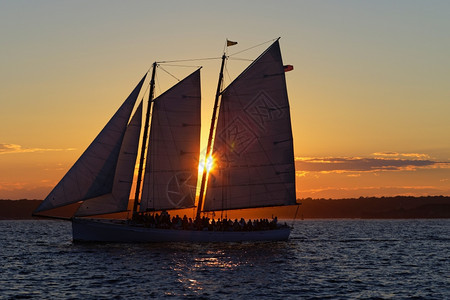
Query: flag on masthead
[(230, 43)]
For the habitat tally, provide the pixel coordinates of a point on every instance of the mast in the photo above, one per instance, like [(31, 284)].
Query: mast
[(144, 140), (211, 130)]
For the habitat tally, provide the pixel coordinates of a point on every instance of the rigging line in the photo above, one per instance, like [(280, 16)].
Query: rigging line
[(146, 90), (159, 86), (254, 47), (193, 59), (169, 73), (295, 216), (187, 66), (243, 59), (228, 74)]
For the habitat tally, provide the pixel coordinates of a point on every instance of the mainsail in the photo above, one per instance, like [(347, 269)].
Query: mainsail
[(170, 176), (253, 146), (93, 173), (117, 200)]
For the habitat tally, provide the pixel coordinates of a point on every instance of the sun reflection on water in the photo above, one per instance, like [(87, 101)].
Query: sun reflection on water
[(201, 268), (193, 271), (214, 262)]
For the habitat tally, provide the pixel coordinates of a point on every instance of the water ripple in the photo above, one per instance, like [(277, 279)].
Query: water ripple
[(336, 259)]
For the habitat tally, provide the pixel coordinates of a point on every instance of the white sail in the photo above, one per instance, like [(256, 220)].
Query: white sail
[(171, 170), (118, 199), (253, 146), (92, 175)]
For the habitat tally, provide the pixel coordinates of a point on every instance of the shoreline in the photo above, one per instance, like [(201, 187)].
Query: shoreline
[(399, 207)]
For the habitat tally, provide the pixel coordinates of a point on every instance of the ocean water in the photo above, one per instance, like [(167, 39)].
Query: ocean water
[(334, 259)]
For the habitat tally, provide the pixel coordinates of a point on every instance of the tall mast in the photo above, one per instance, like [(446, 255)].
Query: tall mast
[(211, 130), (144, 141)]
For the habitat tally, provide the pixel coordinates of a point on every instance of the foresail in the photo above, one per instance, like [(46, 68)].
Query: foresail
[(253, 146), (93, 173), (117, 200), (171, 170)]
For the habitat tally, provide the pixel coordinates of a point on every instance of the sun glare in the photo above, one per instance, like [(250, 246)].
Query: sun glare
[(209, 165)]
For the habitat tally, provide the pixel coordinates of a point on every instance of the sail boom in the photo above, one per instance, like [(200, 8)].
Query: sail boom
[(168, 208), (250, 207), (102, 214)]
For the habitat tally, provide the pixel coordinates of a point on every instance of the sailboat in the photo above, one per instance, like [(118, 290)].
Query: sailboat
[(250, 142)]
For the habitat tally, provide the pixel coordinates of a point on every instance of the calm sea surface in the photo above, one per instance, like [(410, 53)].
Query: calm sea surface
[(332, 259)]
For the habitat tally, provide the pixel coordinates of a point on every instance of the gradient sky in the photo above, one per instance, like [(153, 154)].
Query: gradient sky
[(370, 92)]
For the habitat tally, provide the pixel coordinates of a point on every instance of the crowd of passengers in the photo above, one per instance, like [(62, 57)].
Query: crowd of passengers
[(164, 221)]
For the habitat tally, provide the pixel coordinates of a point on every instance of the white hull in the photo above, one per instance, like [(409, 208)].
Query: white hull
[(90, 230)]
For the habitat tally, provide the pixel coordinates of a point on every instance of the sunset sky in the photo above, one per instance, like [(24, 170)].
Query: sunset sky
[(369, 93)]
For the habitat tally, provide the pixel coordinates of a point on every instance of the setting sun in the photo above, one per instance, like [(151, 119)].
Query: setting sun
[(209, 165)]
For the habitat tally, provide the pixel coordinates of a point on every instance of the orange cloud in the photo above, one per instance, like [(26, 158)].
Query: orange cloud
[(367, 164), (14, 148), (11, 186), (399, 155)]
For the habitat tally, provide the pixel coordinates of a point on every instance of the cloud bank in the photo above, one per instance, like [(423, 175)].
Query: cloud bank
[(14, 148), (382, 161)]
